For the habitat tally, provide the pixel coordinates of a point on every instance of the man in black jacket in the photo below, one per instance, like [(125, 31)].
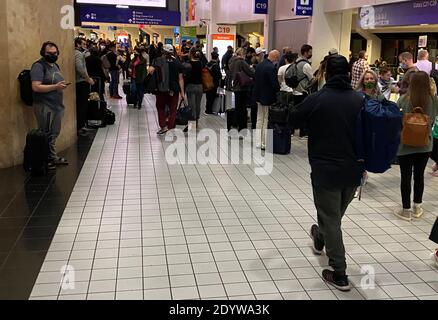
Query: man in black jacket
[(331, 116), (265, 89)]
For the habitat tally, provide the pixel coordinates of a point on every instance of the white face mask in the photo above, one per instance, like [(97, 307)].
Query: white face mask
[(145, 55)]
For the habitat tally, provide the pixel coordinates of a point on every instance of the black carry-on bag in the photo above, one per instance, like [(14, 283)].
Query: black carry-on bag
[(96, 108), (36, 152)]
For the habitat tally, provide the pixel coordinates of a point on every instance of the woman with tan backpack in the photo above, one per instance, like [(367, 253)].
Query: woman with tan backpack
[(420, 108)]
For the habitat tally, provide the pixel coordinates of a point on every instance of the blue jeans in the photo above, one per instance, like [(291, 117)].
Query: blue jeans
[(114, 84), (137, 90)]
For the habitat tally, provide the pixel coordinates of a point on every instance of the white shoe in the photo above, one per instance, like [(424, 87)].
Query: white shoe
[(258, 146), (434, 257), (404, 214), (263, 147), (418, 211)]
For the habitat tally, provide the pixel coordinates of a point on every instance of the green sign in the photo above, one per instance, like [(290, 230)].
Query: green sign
[(189, 32)]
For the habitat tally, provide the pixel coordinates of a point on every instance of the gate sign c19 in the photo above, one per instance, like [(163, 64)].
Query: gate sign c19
[(304, 8), (261, 7)]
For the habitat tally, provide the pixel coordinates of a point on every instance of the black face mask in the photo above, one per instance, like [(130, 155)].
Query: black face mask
[(51, 58)]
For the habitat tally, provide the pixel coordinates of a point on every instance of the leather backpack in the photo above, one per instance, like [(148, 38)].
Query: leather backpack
[(416, 129)]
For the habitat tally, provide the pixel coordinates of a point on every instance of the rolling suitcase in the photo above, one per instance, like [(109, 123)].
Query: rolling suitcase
[(36, 152), (127, 87), (219, 104), (282, 139)]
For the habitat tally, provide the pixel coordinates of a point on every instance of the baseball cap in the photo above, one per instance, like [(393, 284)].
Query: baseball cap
[(333, 52), (260, 51), (168, 48)]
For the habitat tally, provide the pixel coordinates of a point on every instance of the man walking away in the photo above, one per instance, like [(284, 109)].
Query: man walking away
[(336, 171), (83, 83)]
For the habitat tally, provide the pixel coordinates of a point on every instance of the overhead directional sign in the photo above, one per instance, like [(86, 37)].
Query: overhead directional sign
[(304, 8), (137, 16)]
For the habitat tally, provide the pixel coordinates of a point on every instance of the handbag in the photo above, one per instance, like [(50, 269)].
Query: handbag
[(244, 80), (184, 114), (151, 84)]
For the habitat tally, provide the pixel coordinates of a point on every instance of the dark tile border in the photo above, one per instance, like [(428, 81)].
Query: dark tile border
[(30, 211)]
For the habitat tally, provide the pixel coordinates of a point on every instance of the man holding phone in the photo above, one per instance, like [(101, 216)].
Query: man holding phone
[(48, 85)]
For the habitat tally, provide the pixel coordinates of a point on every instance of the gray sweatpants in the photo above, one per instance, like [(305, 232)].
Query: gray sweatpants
[(194, 96), (54, 127), (331, 205)]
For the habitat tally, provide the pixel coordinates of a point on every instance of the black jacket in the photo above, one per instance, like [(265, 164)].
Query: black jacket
[(266, 83), (112, 58), (331, 115), (226, 61), (215, 71), (95, 68)]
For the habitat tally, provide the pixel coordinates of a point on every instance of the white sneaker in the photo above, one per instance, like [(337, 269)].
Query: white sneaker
[(434, 257), (404, 214), (418, 211)]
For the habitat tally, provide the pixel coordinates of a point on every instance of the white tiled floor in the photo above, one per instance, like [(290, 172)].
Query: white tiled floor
[(136, 228)]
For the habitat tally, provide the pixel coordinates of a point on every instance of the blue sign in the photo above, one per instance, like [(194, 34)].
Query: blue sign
[(95, 14), (304, 8), (168, 41), (261, 7), (398, 14)]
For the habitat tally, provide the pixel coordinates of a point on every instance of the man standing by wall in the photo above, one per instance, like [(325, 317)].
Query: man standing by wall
[(48, 99), (83, 85)]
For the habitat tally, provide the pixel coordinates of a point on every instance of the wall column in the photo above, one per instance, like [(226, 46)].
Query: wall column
[(29, 23), (374, 45), (329, 30), (269, 26)]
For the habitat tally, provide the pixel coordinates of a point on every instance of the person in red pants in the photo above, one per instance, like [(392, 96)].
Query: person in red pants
[(169, 73)]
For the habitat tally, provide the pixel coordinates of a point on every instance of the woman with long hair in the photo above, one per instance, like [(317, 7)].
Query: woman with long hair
[(413, 160), (369, 85), (194, 88)]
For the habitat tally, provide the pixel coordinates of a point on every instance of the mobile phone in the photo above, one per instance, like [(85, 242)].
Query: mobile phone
[(68, 83)]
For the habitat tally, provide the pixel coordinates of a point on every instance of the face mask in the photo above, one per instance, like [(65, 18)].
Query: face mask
[(370, 85), (102, 48), (51, 58), (403, 66), (145, 55)]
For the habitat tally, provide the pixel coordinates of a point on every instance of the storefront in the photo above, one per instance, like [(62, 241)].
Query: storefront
[(396, 28)]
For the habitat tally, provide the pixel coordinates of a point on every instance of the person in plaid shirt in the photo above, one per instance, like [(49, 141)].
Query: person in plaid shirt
[(359, 68)]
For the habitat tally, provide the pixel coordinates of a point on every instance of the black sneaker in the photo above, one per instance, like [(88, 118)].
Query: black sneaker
[(318, 245), (339, 282)]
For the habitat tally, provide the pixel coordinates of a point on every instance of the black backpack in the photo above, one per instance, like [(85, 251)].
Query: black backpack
[(291, 77), (26, 92)]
